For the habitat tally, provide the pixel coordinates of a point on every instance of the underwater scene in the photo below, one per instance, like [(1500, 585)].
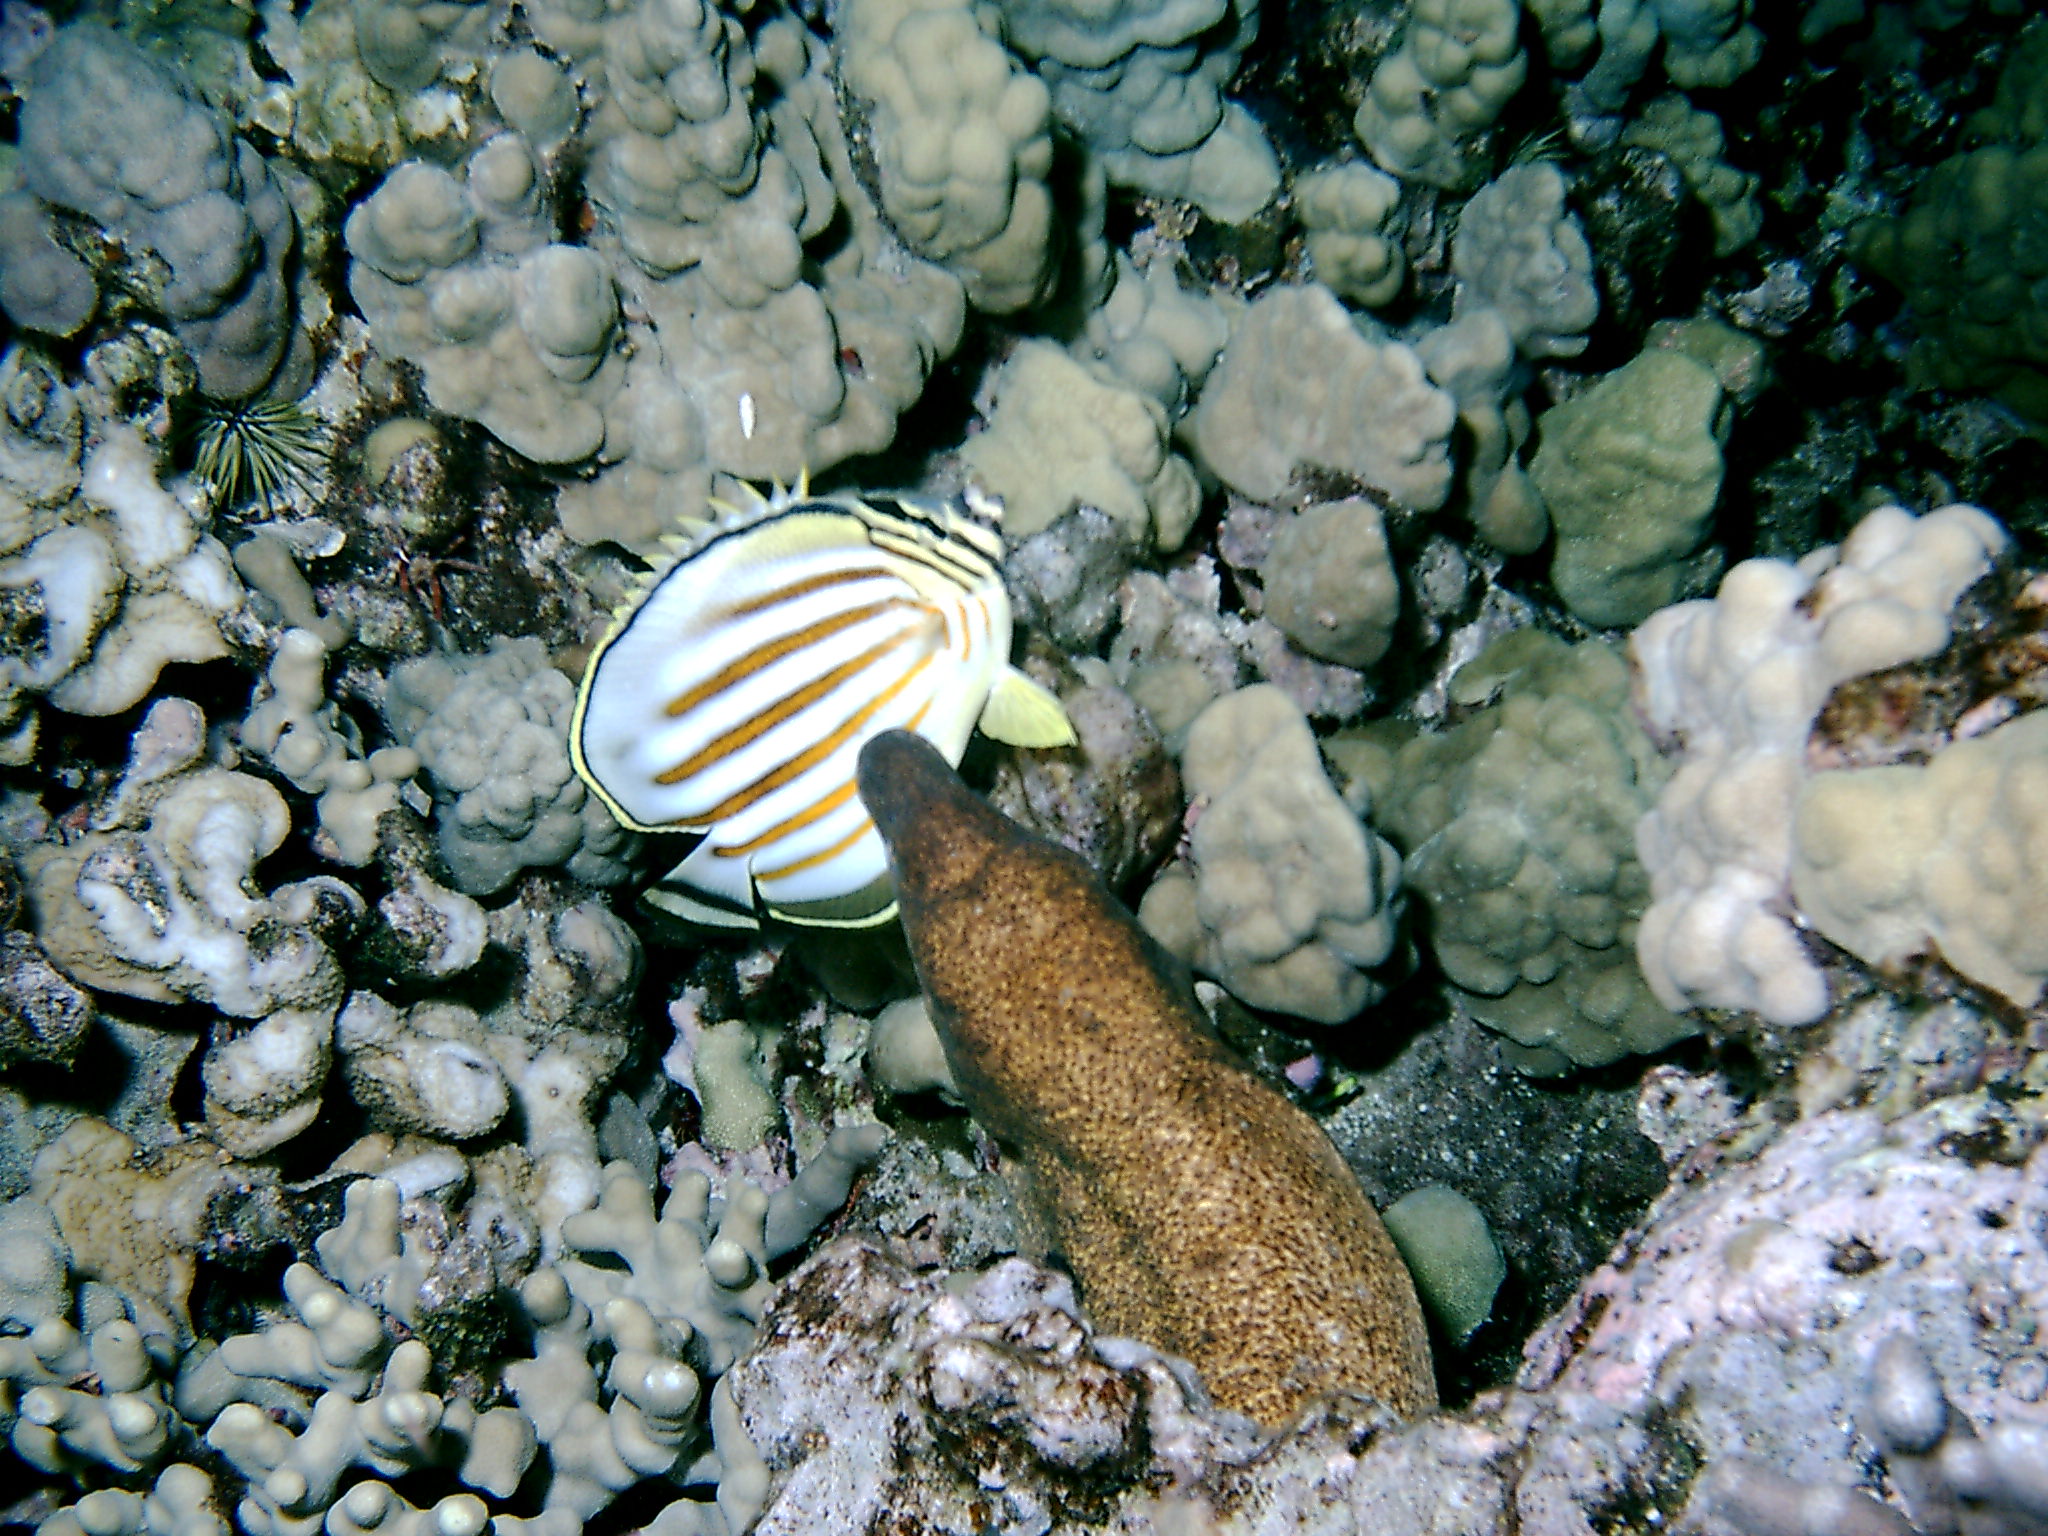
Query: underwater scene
[(1023, 767)]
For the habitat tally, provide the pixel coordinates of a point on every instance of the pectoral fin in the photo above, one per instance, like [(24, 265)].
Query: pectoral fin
[(1023, 714)]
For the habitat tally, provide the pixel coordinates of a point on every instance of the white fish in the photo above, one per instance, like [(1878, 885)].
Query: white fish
[(733, 695)]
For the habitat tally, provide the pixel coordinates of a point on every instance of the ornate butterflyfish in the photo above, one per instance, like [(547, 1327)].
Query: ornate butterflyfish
[(732, 695)]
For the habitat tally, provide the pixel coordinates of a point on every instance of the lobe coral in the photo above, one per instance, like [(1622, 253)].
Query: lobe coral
[(1199, 1209)]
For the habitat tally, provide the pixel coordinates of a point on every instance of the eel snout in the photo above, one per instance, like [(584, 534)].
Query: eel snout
[(915, 797)]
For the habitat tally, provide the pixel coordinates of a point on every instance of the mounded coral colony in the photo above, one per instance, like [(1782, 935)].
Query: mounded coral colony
[(1498, 488)]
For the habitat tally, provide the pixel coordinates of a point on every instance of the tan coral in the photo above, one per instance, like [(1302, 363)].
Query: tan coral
[(135, 1222), (1201, 1211), (1059, 437), (1285, 896)]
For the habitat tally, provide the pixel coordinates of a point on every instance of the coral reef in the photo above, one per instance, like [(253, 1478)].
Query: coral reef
[(294, 727), (1834, 1287), (159, 901), (1694, 141), (1343, 211), (512, 329), (1328, 389), (1114, 797), (1330, 584), (1521, 252), (1154, 335), (697, 335)]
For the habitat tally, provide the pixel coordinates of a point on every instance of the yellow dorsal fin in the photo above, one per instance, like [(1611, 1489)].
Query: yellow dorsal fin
[(801, 532), (803, 483), (1023, 714)]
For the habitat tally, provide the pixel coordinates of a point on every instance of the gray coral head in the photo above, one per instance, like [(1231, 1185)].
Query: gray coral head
[(118, 136)]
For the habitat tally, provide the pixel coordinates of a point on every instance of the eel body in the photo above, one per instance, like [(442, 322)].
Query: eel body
[(1200, 1210)]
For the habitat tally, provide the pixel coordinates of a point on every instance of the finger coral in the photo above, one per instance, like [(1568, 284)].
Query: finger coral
[(357, 1391), (961, 135), (159, 901), (122, 578)]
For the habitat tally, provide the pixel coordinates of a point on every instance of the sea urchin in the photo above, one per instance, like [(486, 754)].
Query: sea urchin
[(256, 450)]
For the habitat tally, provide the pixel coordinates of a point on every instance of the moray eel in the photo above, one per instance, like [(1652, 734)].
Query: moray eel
[(1200, 1211)]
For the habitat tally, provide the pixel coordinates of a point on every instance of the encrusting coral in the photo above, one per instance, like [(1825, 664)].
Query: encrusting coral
[(133, 1220), (1060, 437), (111, 133), (1520, 250), (491, 733), (1961, 254), (1303, 384), (1630, 471), (116, 581), (158, 901), (1902, 860), (1201, 1211)]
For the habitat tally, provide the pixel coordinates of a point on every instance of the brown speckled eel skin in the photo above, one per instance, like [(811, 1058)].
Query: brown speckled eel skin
[(1200, 1210)]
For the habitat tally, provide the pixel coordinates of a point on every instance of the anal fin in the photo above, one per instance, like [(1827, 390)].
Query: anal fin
[(718, 893)]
